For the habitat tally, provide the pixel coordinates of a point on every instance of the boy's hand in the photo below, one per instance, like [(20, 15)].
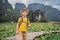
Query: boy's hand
[(16, 32), (29, 26)]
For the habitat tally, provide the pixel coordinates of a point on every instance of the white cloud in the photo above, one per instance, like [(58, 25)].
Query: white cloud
[(46, 3), (56, 7), (26, 2), (13, 2), (49, 3)]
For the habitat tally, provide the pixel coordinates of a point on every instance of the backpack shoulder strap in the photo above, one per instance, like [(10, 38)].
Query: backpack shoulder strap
[(27, 21), (21, 21)]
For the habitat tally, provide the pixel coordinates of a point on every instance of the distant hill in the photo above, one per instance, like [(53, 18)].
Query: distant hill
[(18, 7), (52, 14), (6, 11), (5, 4)]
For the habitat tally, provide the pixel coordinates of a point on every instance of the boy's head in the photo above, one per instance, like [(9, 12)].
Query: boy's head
[(24, 12)]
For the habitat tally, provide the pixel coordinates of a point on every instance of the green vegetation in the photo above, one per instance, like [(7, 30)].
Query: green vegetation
[(51, 36), (43, 27), (8, 29), (34, 15), (7, 14)]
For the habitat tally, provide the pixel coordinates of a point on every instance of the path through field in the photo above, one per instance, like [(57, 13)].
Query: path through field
[(31, 35)]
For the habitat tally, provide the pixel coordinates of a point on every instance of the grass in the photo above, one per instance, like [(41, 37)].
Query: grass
[(51, 36), (8, 29)]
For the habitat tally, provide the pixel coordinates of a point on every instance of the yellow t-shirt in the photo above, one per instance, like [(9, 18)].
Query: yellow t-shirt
[(23, 25)]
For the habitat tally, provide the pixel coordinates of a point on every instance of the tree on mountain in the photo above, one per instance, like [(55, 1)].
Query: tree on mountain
[(37, 15), (6, 11)]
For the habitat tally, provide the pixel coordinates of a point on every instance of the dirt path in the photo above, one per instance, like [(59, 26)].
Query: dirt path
[(31, 35)]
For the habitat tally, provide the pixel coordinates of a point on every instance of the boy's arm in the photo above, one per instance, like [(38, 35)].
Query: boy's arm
[(17, 26), (29, 23)]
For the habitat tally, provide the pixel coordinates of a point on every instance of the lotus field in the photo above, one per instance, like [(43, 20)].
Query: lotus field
[(8, 30)]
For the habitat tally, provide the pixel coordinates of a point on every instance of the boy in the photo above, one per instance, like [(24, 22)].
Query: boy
[(23, 24)]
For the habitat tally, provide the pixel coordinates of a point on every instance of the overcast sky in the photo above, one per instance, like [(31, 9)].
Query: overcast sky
[(53, 3)]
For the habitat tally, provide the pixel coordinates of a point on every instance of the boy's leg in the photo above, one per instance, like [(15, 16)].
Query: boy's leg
[(20, 36), (24, 35)]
